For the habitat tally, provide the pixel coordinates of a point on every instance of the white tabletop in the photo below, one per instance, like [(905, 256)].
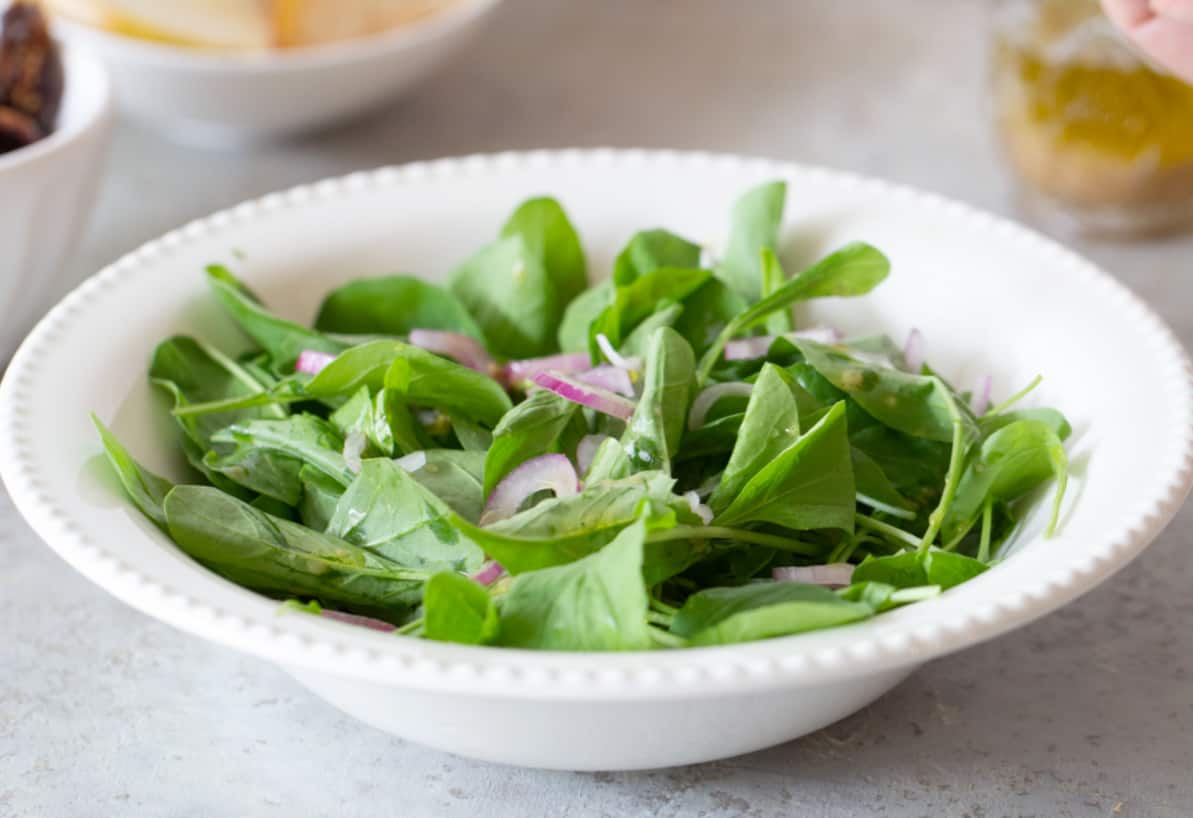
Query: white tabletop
[(105, 712)]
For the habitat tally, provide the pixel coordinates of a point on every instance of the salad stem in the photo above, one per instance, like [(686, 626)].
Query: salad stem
[(952, 478), (714, 532), (659, 618), (228, 404), (1018, 396), (662, 607), (887, 530), (987, 519), (411, 627), (664, 638)]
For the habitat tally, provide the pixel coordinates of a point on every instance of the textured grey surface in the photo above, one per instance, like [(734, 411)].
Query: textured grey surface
[(104, 712)]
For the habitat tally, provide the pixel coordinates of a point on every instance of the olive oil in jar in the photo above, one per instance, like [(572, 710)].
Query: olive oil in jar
[(1101, 139)]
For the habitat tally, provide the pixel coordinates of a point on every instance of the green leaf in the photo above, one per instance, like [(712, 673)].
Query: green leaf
[(530, 429), (917, 405), (635, 343), (362, 415), (653, 433), (282, 339), (875, 489), (456, 609), (595, 603), (650, 250), (557, 531), (549, 236), (723, 616), (754, 225), (1012, 461), (706, 313), (424, 379), (633, 303), (393, 305), (808, 485), (284, 559), (455, 478), (579, 315), (191, 373), (913, 569), (771, 424), (610, 462), (360, 367), (320, 495), (855, 269), (388, 512), (144, 488), (513, 298), (773, 279), (1051, 418), (298, 438)]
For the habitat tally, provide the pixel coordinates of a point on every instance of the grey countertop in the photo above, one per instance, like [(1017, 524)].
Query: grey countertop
[(105, 712)]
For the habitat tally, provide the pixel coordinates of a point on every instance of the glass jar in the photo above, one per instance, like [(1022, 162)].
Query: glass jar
[(1101, 139)]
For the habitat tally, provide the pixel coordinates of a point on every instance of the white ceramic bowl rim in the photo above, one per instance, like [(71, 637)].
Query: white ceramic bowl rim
[(283, 59), (86, 102), (994, 603)]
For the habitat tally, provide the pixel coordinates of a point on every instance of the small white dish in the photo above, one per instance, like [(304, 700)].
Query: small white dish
[(226, 99), (47, 190), (989, 297)]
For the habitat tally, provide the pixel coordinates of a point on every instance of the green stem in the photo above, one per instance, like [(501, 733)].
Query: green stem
[(987, 520), (662, 607), (952, 478), (887, 530), (664, 638), (659, 618), (714, 532), (410, 627), (1018, 396), (239, 373), (228, 404)]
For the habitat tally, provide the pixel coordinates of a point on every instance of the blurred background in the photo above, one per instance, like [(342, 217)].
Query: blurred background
[(945, 95)]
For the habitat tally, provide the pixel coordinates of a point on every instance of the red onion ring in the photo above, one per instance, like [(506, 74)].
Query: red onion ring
[(832, 575), (552, 472), (594, 397)]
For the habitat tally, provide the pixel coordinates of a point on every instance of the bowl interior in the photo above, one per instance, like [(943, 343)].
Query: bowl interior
[(988, 297)]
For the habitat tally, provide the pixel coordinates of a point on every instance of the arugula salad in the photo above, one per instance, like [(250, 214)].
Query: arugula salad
[(661, 459)]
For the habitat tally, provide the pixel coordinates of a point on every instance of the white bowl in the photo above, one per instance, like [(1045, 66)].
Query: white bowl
[(988, 295), (229, 98), (46, 193)]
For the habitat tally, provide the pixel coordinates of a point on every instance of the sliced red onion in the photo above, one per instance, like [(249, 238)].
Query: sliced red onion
[(490, 573), (746, 349), (698, 508), (552, 472), (594, 397), (522, 372), (705, 400), (586, 450), (354, 446), (613, 378), (612, 355), (460, 348), (357, 619), (980, 401), (312, 361), (833, 575), (913, 350), (412, 462)]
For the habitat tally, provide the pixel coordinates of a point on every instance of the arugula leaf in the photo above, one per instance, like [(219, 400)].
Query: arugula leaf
[(610, 462), (635, 302), (808, 485), (1012, 461), (855, 269), (598, 602), (297, 439), (706, 313), (282, 339), (665, 316), (393, 305), (144, 488), (549, 236), (650, 250), (914, 568), (531, 428), (388, 512), (654, 430), (754, 226), (1054, 420), (360, 367), (580, 313), (320, 495), (284, 559), (770, 425), (456, 479), (875, 489), (723, 616), (456, 609), (772, 279), (424, 379)]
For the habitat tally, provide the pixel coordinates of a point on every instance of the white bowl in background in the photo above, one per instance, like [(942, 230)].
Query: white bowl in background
[(216, 98), (47, 190), (989, 296)]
